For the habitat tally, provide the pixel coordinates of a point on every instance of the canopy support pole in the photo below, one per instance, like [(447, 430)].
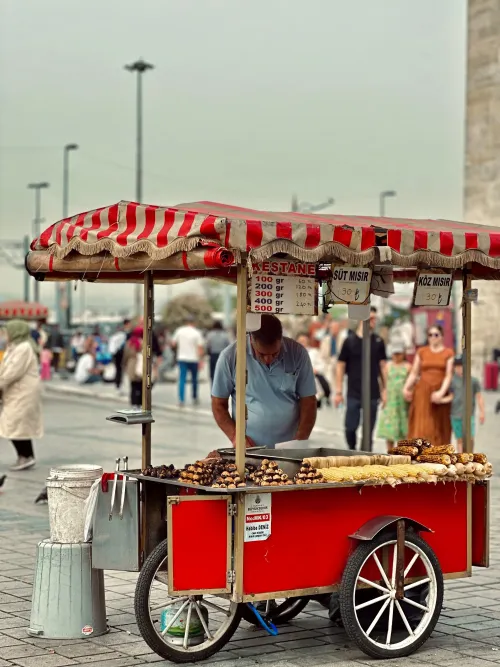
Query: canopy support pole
[(467, 363), (241, 367), (366, 444), (147, 364)]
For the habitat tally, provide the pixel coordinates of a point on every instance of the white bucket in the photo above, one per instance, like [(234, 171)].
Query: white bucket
[(68, 488)]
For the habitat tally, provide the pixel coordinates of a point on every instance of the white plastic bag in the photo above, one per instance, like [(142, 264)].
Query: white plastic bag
[(90, 506)]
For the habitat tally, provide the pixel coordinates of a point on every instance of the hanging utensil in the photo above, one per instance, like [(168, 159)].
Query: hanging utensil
[(113, 491)]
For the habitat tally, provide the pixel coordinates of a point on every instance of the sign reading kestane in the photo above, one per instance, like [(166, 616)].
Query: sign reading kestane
[(433, 289), (350, 284), (283, 288)]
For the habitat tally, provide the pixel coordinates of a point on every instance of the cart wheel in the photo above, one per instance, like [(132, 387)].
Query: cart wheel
[(206, 623), (279, 611), (380, 624)]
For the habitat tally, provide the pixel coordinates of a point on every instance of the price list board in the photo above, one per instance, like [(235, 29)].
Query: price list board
[(283, 293)]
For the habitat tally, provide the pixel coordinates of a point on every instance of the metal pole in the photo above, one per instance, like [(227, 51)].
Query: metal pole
[(366, 444), (64, 314), (382, 205), (241, 367), (147, 362), (26, 244), (138, 172), (37, 223), (467, 364)]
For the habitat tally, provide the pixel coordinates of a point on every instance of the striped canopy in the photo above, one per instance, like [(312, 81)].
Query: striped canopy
[(127, 228)]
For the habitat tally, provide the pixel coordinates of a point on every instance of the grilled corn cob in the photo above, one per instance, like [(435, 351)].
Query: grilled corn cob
[(440, 449), (405, 450), (434, 458), (465, 458), (480, 458)]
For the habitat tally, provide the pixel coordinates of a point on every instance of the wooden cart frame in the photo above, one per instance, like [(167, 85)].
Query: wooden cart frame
[(212, 240)]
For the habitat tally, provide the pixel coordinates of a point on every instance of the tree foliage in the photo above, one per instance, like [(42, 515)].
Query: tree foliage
[(187, 305)]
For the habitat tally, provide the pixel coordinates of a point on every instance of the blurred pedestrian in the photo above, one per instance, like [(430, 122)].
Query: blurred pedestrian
[(45, 364), (350, 363), (87, 370), (216, 341), (329, 351), (426, 386), (77, 345), (21, 415), (393, 423), (56, 345), (455, 396), (188, 343), (116, 349), (323, 390), (133, 366)]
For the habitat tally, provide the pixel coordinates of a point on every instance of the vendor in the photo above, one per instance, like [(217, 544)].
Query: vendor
[(280, 392)]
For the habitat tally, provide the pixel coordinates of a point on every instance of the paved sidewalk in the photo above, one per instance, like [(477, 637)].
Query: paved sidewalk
[(468, 632)]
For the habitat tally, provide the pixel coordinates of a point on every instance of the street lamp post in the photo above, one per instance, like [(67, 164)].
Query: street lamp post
[(306, 207), (37, 187), (383, 196), (139, 66), (64, 314)]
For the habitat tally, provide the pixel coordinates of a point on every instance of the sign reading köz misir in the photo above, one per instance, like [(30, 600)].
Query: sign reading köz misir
[(433, 288)]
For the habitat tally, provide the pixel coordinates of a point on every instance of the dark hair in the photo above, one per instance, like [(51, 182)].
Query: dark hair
[(436, 326), (216, 326), (270, 330), (458, 361), (126, 321)]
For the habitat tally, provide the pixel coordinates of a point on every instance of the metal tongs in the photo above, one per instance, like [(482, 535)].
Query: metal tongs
[(113, 491), (124, 481)]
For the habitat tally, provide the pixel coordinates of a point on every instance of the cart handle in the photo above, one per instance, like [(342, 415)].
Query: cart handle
[(269, 627)]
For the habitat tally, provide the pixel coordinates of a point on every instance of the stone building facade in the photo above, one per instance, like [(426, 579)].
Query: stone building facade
[(482, 163)]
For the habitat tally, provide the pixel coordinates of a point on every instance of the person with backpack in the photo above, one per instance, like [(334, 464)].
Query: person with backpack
[(280, 392)]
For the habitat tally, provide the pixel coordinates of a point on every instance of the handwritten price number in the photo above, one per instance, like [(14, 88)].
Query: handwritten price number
[(434, 298)]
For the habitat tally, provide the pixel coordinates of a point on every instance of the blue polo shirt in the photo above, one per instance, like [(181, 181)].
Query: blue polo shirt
[(273, 392)]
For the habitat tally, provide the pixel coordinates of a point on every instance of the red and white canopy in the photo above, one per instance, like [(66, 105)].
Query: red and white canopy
[(24, 311), (127, 228)]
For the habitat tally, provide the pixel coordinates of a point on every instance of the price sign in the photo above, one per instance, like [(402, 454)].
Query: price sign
[(257, 517), (433, 289), (350, 284), (284, 288)]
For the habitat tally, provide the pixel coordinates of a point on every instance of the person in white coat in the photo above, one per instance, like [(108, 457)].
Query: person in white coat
[(21, 413)]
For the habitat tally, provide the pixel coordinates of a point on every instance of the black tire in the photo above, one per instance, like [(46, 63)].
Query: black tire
[(283, 613), (346, 598), (147, 627)]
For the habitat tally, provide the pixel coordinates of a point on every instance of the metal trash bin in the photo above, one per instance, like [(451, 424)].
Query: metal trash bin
[(68, 595)]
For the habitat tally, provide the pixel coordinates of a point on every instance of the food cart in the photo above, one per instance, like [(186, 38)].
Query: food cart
[(205, 554)]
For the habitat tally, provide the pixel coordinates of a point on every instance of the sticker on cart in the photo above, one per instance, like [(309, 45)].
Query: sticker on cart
[(87, 630), (257, 517), (432, 289)]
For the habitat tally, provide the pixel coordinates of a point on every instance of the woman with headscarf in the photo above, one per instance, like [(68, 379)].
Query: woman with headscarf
[(21, 415), (132, 363)]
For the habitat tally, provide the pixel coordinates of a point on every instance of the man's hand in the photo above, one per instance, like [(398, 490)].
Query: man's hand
[(339, 399), (248, 442)]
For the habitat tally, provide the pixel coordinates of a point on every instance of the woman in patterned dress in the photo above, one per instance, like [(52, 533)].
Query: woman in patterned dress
[(393, 423)]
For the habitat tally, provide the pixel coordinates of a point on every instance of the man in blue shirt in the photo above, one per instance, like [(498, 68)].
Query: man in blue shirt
[(280, 392)]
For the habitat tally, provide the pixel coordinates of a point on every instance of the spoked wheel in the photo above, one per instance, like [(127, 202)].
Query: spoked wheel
[(278, 611), (180, 629), (382, 625)]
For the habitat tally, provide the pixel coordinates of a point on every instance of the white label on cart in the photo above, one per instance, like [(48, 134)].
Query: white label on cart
[(257, 517), (433, 289), (350, 284)]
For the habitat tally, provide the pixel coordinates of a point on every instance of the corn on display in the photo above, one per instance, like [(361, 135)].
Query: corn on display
[(434, 458), (358, 460), (480, 458), (406, 450), (465, 458), (441, 449)]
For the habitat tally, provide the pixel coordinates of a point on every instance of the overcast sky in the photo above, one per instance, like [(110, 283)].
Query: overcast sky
[(249, 101)]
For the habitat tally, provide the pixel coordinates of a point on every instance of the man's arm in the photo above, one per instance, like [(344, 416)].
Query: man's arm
[(307, 418), (339, 382), (220, 411)]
